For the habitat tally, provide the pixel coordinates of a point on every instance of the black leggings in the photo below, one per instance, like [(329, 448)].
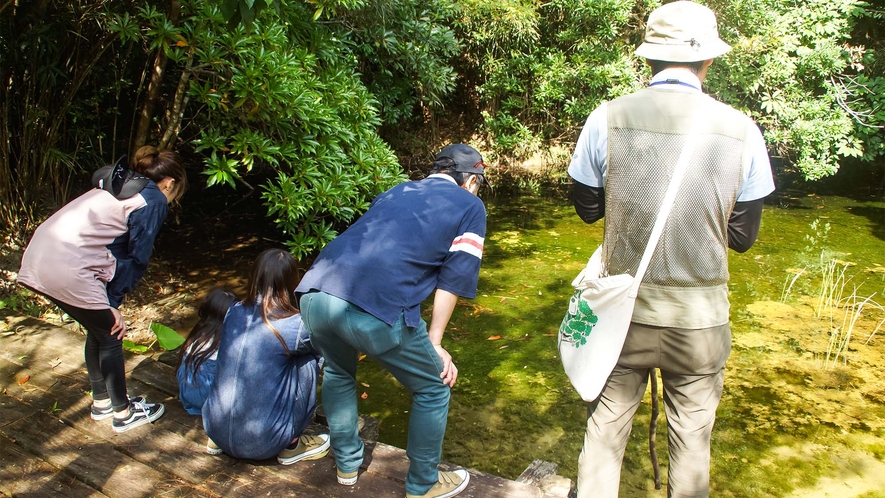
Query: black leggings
[(104, 354)]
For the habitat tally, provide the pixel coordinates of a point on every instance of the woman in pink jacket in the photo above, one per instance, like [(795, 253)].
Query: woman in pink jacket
[(93, 251)]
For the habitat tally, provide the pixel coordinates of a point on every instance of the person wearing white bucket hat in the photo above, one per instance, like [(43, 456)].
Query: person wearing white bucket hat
[(621, 167)]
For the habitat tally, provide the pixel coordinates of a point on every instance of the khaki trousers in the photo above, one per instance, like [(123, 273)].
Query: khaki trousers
[(692, 365)]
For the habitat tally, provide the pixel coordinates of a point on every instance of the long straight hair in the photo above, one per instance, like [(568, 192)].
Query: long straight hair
[(204, 338), (272, 288)]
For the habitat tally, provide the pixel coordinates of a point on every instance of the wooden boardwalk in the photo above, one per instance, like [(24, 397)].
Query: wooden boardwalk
[(49, 445)]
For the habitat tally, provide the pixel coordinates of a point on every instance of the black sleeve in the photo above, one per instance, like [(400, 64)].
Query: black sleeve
[(589, 202), (743, 226)]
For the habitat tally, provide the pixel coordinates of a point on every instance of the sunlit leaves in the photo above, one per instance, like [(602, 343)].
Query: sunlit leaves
[(542, 67), (793, 70), (282, 94)]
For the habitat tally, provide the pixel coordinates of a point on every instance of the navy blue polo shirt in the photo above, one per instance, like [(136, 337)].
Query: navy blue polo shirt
[(415, 238)]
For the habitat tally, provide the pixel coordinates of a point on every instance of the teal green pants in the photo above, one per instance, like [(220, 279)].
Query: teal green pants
[(340, 331)]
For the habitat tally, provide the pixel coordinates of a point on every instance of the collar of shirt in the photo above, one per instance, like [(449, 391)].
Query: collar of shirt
[(678, 76), (444, 176)]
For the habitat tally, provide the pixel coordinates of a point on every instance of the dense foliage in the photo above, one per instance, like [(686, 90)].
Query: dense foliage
[(795, 69), (305, 92), (542, 67)]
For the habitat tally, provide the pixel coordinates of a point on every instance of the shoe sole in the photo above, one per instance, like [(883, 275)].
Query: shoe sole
[(142, 421), (348, 481), (214, 451), (314, 454)]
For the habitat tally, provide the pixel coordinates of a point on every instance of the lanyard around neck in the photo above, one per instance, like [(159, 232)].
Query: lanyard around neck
[(673, 81)]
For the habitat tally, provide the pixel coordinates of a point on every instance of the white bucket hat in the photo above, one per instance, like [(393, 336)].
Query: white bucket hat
[(682, 32)]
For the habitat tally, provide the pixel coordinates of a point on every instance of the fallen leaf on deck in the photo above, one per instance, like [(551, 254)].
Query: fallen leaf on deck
[(23, 379), (362, 356), (493, 338), (364, 384)]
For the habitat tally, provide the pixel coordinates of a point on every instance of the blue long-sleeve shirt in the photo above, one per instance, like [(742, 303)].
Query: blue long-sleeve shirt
[(133, 249)]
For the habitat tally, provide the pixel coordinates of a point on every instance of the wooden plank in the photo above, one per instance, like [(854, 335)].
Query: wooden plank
[(176, 445), (159, 375), (43, 389), (94, 461), (321, 475), (35, 345), (23, 474), (484, 485), (387, 460), (390, 463), (12, 411), (171, 451)]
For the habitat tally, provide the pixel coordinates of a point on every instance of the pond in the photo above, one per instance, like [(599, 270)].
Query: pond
[(792, 422)]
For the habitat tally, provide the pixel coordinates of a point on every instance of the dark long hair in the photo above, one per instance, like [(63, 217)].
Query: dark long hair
[(272, 288), (204, 338)]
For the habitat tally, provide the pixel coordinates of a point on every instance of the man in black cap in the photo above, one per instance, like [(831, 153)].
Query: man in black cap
[(363, 292)]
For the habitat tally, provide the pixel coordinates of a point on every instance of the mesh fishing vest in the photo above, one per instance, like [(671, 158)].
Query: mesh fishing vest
[(685, 285)]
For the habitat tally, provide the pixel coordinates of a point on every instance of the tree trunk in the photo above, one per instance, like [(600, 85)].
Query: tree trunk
[(156, 82), (178, 104)]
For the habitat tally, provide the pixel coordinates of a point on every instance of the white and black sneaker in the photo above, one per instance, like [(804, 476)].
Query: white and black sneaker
[(140, 413), (108, 411)]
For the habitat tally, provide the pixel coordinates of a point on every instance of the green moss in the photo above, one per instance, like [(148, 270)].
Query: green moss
[(779, 428)]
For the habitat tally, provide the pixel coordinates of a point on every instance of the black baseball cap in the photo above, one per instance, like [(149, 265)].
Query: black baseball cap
[(466, 158)]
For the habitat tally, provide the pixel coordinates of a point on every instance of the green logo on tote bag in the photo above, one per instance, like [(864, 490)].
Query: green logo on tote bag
[(577, 326)]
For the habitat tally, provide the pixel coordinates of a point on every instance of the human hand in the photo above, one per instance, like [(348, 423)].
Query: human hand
[(450, 372), (119, 327)]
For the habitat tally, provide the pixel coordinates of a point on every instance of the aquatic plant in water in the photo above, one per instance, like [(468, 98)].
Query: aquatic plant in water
[(841, 336)]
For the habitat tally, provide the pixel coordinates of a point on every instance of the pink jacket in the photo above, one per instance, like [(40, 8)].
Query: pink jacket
[(68, 259)]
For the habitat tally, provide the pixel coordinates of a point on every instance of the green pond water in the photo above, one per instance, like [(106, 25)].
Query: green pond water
[(513, 404)]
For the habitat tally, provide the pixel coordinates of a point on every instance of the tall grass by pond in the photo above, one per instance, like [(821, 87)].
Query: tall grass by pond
[(786, 425)]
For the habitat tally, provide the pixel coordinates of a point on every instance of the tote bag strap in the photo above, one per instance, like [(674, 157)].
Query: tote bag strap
[(666, 206)]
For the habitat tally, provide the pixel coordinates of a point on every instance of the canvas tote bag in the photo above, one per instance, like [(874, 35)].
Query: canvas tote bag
[(593, 330)]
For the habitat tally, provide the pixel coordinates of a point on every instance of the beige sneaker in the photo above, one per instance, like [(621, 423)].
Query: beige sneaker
[(212, 448), (348, 478), (308, 448), (449, 484)]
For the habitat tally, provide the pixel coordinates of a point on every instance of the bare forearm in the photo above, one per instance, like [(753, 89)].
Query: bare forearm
[(443, 306)]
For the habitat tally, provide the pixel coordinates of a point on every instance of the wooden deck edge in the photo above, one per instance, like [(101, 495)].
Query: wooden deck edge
[(44, 375)]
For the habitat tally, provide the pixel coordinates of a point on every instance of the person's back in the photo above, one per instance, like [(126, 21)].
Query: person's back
[(622, 167), (197, 360), (264, 394), (688, 273), (257, 404), (402, 246)]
